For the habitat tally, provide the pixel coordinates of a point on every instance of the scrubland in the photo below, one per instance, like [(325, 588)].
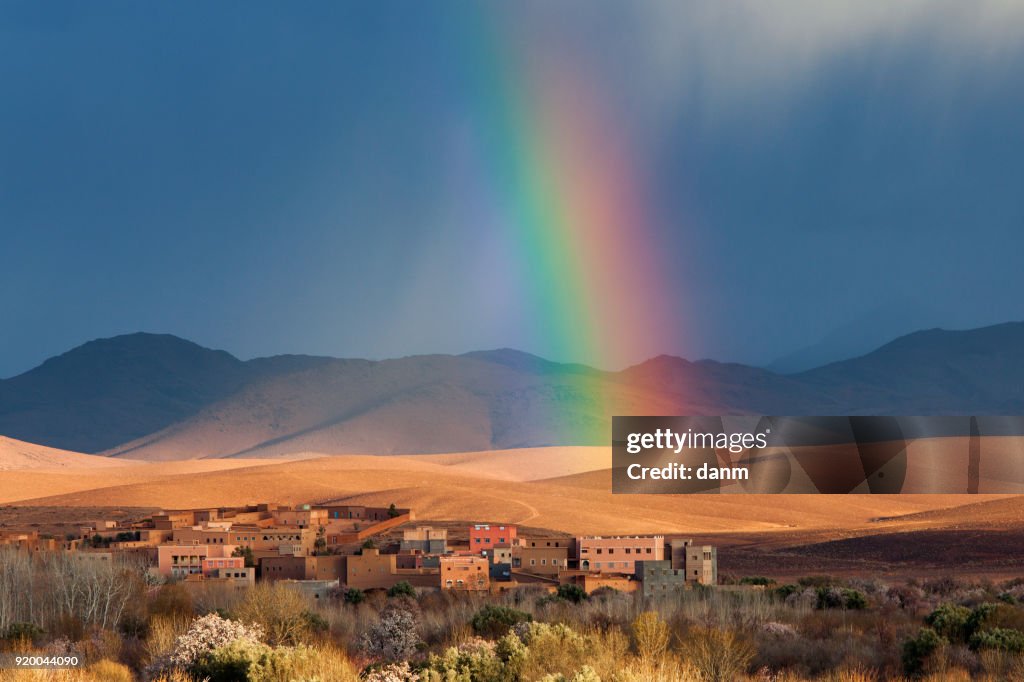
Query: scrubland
[(124, 626)]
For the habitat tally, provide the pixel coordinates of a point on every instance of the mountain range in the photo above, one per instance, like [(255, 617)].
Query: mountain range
[(159, 397)]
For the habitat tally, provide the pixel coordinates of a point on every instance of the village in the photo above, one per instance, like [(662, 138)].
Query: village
[(320, 549)]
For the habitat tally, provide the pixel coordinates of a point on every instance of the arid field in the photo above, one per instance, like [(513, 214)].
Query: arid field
[(564, 489)]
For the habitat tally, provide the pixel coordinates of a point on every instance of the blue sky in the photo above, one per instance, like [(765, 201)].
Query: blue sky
[(275, 179)]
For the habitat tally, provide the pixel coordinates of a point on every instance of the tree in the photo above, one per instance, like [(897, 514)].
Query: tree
[(651, 635), (394, 638), (571, 592), (250, 559), (494, 621), (320, 544), (392, 511), (354, 595), (402, 588), (278, 610), (917, 650)]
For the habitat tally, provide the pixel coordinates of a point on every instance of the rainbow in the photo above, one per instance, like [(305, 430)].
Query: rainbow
[(562, 189)]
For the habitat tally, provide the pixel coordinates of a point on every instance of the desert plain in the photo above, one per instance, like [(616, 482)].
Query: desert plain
[(557, 489)]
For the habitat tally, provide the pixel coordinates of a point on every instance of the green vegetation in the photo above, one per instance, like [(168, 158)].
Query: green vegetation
[(494, 621), (402, 588)]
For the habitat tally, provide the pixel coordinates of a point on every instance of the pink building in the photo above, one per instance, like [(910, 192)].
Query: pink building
[(617, 555), (182, 561)]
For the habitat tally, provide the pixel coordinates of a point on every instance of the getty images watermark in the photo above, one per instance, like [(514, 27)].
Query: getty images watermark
[(825, 454)]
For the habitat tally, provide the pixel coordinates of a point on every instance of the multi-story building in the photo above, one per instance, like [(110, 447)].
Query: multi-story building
[(485, 536), (618, 554), (543, 556), (658, 577), (426, 539), (182, 561), (465, 573), (277, 539), (699, 562)]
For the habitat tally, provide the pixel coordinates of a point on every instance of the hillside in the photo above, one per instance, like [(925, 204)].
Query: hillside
[(157, 397), (16, 455), (459, 487)]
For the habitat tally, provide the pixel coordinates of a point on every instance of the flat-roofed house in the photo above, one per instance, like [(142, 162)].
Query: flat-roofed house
[(471, 573), (618, 554)]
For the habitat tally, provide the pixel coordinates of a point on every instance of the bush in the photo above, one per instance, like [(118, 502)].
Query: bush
[(571, 592), (402, 588), (208, 633), (474, 661), (718, 655), (840, 598), (394, 638), (278, 610), (951, 621), (238, 661), (494, 621), (1002, 639), (23, 632), (783, 591), (917, 650), (650, 633), (354, 595), (756, 580)]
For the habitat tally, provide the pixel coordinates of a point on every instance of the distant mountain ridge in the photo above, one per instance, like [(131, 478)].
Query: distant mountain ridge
[(155, 396)]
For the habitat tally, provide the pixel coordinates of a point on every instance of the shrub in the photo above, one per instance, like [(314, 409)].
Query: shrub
[(917, 650), (1003, 639), (650, 633), (392, 672), (354, 595), (571, 592), (315, 623), (951, 621), (278, 610), (403, 588), (783, 591), (718, 655), (756, 580), (238, 661), (208, 633), (840, 598), (394, 638), (476, 661), (23, 632), (494, 621)]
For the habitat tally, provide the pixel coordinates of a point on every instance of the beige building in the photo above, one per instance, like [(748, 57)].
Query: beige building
[(543, 556), (301, 517), (370, 570), (465, 573), (328, 568), (618, 554)]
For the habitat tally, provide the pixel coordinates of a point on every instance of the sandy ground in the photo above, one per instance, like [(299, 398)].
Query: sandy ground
[(559, 488)]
